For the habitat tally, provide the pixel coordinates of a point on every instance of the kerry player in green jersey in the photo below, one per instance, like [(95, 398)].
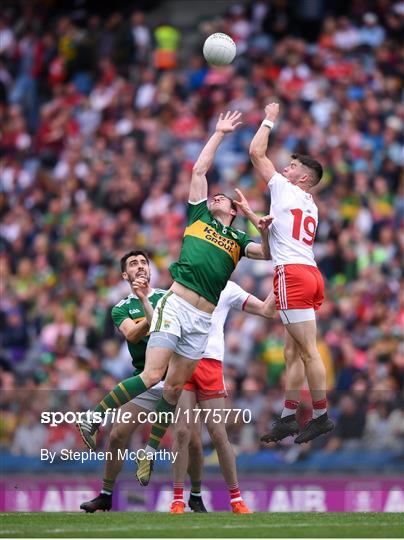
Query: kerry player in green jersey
[(210, 251), (132, 317)]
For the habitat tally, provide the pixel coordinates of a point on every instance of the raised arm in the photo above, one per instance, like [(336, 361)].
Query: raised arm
[(242, 204), (199, 185), (259, 144), (255, 251)]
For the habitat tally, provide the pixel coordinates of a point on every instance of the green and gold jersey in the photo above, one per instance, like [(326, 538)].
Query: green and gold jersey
[(132, 308), (209, 253)]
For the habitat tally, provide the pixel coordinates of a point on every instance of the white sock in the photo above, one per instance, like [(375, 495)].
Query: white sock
[(287, 412), (318, 412)]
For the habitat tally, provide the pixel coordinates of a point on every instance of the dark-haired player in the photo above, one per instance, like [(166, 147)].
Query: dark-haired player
[(298, 284), (210, 251), (132, 316)]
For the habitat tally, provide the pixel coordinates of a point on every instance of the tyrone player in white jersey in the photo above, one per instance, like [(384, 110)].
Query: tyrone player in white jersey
[(207, 388), (298, 284)]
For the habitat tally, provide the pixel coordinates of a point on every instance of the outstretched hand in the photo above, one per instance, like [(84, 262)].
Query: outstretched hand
[(265, 222), (241, 202), (229, 122)]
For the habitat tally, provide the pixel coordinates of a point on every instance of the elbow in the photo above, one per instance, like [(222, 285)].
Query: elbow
[(199, 170), (128, 336), (132, 337), (254, 153), (125, 334)]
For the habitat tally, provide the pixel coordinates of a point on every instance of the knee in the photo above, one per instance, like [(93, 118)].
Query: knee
[(290, 355), (172, 391), (219, 436), (309, 354), (195, 444), (183, 435), (152, 376), (118, 436), (195, 441)]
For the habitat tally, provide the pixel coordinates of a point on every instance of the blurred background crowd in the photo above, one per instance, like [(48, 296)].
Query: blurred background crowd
[(102, 116)]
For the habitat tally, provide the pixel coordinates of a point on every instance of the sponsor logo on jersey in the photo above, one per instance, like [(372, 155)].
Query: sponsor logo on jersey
[(201, 230), (133, 311)]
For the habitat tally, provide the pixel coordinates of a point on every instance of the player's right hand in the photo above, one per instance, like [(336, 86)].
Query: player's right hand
[(241, 202), (272, 111), (140, 287)]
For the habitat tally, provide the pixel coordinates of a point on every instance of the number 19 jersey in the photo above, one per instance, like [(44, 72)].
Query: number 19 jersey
[(295, 222)]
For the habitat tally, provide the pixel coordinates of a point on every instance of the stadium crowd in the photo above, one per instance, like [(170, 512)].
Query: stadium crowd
[(101, 119)]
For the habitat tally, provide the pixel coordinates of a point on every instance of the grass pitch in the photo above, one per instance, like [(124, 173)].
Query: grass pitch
[(212, 525)]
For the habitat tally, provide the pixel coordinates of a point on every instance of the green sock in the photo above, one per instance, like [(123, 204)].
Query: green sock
[(195, 487), (121, 394), (107, 486), (158, 429)]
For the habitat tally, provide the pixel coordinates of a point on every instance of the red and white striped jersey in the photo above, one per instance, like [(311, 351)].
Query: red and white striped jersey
[(293, 229)]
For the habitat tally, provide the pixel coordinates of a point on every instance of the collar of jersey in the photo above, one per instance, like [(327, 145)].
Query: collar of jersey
[(220, 224)]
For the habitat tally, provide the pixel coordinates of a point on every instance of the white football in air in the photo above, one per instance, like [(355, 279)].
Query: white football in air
[(219, 49)]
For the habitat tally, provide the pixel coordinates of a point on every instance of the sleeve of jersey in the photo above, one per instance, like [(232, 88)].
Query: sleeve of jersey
[(239, 297), (277, 184), (196, 210), (244, 241), (119, 314)]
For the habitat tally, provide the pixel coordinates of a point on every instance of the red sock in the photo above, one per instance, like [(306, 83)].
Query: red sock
[(178, 491), (290, 407), (235, 494), (319, 407)]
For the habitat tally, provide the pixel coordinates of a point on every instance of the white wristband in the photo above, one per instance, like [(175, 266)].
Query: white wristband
[(267, 123)]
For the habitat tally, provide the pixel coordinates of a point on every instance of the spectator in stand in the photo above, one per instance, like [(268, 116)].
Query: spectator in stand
[(349, 428), (102, 119)]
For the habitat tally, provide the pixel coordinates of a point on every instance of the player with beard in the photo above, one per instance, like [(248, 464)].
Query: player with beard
[(132, 317), (210, 251)]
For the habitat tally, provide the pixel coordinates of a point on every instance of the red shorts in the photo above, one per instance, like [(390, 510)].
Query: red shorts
[(298, 286), (207, 380)]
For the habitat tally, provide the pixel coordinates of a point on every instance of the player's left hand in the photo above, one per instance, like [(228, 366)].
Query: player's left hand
[(229, 122), (241, 202), (265, 222)]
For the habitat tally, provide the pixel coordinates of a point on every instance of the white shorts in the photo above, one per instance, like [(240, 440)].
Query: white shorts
[(292, 316), (173, 315), (149, 399)]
